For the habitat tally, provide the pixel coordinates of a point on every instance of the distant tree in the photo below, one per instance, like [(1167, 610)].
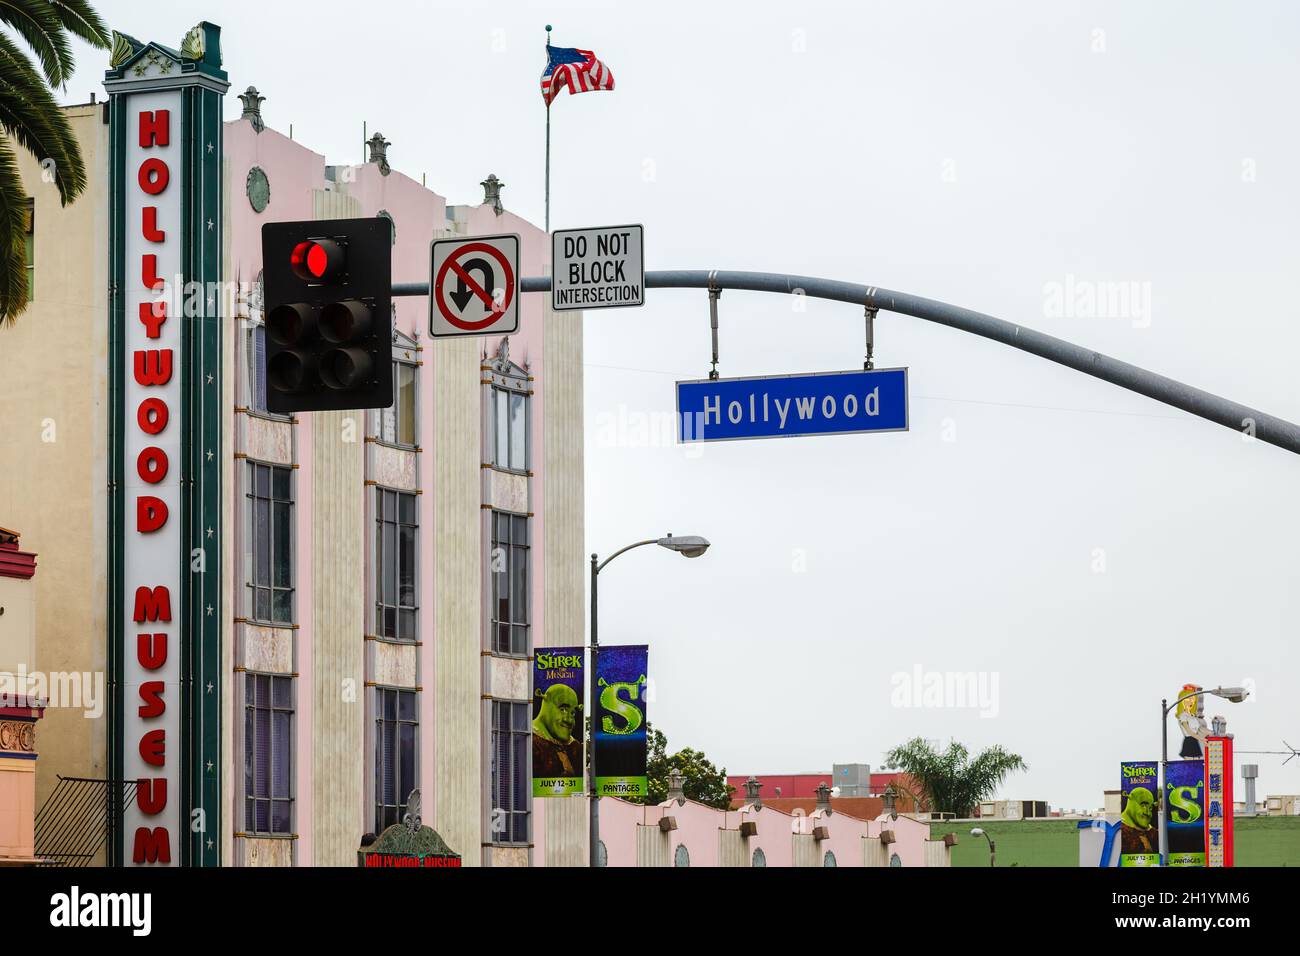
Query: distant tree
[(950, 780), (701, 780)]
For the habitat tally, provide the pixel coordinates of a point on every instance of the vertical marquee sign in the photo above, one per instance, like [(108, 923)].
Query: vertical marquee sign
[(1218, 801), (164, 544)]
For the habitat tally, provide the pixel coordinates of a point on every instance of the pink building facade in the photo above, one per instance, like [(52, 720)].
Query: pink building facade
[(392, 571), (681, 832)]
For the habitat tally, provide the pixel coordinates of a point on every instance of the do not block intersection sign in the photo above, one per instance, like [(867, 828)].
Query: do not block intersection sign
[(474, 286), (597, 268)]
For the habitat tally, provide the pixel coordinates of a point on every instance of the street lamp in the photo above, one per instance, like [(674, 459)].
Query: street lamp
[(690, 546), (1234, 695), (993, 851)]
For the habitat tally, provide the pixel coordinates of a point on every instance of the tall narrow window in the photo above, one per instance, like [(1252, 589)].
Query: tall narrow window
[(511, 737), (269, 556), (395, 538), (395, 747), (257, 367), (268, 762), (510, 429), (397, 423), (508, 562), (29, 238)]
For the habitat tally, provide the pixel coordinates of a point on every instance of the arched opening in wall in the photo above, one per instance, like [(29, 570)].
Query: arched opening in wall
[(829, 859), (760, 858), (681, 856)]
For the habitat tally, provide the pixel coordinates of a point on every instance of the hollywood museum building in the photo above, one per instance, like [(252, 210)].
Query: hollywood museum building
[(244, 638)]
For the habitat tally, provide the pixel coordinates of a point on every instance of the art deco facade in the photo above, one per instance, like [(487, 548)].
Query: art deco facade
[(385, 575)]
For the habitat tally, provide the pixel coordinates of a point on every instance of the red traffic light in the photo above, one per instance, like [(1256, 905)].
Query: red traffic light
[(317, 260)]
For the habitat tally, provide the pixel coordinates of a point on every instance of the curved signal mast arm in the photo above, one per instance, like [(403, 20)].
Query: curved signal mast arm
[(1267, 428)]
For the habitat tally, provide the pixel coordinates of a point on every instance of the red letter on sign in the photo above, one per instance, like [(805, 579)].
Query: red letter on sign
[(150, 513), (152, 846), (149, 272), (154, 128), (152, 465), (152, 416), (151, 795), (151, 649), (152, 748), (153, 176), (153, 366), (151, 230), (151, 692), (153, 605), (153, 315)]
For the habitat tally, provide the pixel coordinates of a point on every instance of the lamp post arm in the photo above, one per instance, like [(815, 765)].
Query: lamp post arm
[(600, 567)]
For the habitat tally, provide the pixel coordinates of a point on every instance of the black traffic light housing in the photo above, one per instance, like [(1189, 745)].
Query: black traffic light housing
[(327, 300)]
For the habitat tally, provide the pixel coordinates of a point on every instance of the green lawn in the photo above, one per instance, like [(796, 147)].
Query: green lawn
[(1260, 841)]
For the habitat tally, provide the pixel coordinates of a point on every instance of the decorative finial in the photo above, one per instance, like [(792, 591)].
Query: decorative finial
[(824, 798), (492, 193), (252, 101), (379, 152), (411, 819), (676, 790)]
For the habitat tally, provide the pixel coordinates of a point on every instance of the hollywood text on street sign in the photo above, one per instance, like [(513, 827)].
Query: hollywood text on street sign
[(474, 286), (598, 268), (784, 406)]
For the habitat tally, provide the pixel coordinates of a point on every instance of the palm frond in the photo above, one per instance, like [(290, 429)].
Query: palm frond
[(950, 779), (13, 250), (30, 115), (38, 24), (80, 19)]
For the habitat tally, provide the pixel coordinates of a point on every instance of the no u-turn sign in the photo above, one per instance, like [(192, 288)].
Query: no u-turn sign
[(474, 286)]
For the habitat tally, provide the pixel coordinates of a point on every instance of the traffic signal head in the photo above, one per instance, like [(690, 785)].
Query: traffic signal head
[(327, 291)]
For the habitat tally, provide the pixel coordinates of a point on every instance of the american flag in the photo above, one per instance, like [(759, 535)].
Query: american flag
[(579, 70)]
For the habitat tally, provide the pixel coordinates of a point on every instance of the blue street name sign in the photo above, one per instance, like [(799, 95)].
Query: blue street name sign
[(782, 406)]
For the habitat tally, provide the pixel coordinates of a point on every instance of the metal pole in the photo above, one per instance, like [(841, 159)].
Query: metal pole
[(1267, 428), (1164, 775), (548, 138), (594, 836), (548, 167)]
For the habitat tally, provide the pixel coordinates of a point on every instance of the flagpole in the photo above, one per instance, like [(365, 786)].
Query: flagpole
[(548, 139)]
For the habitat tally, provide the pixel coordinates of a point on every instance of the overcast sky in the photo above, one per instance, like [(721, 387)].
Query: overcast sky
[(1089, 549)]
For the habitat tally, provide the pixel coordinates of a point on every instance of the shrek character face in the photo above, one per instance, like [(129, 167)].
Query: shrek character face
[(559, 712), (1141, 805)]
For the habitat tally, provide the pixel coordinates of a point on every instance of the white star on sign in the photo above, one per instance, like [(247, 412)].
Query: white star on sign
[(210, 225), (209, 147), (209, 454), (209, 843), (209, 766), (209, 610), (209, 378), (209, 687), (210, 532)]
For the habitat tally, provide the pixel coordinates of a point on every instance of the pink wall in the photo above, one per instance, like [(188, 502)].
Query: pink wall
[(294, 173), (699, 826)]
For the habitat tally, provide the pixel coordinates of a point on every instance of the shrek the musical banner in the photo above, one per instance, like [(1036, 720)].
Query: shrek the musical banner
[(620, 727), (1138, 834), (557, 721)]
